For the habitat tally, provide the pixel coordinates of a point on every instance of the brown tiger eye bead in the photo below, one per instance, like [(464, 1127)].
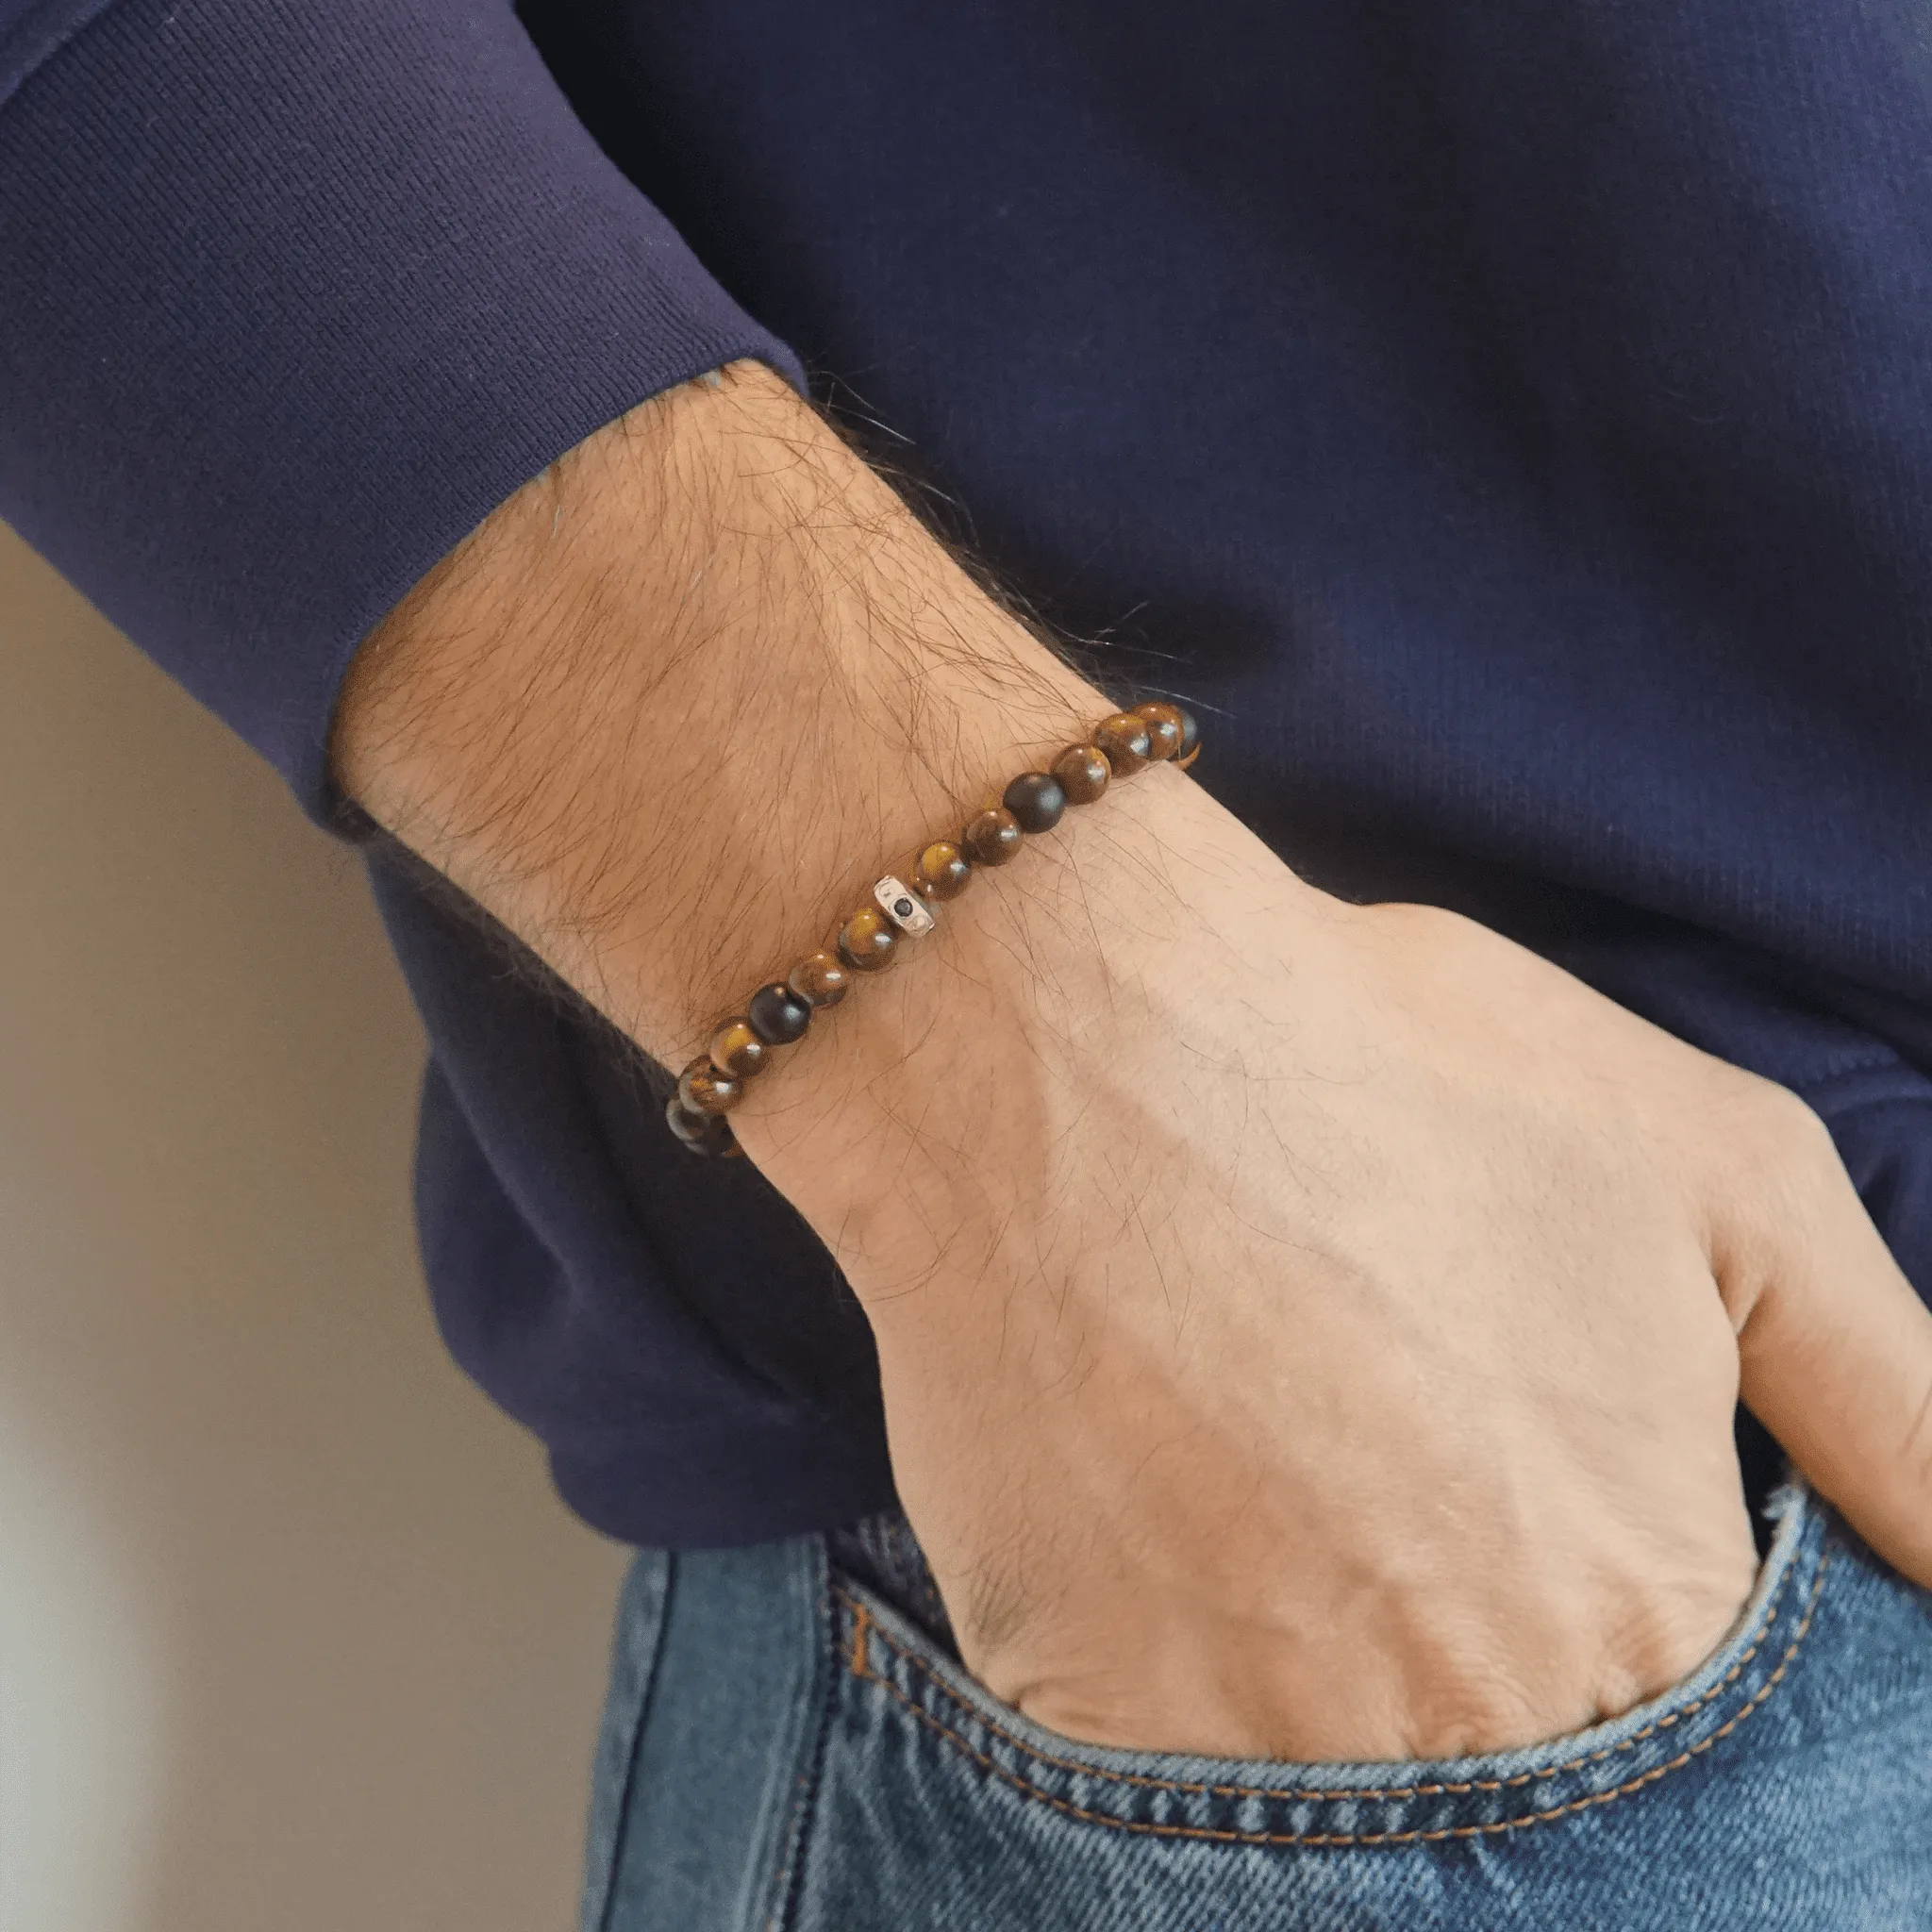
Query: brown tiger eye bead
[(1083, 771), (941, 871), (1191, 740), (704, 1089), (737, 1048), (819, 980), (867, 941), (1163, 721), (703, 1133), (1123, 739), (993, 837)]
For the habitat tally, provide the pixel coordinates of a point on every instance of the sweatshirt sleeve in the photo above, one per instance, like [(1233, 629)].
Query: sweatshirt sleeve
[(291, 295)]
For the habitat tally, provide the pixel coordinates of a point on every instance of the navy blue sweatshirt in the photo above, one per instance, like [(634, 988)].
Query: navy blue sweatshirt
[(1509, 423)]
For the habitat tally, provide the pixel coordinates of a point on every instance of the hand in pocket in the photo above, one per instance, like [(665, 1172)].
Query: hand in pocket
[(1312, 1331)]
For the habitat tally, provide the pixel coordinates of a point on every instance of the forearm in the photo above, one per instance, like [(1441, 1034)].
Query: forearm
[(674, 706), (678, 703)]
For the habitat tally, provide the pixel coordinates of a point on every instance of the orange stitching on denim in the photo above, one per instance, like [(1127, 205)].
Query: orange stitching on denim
[(1324, 1839), (862, 1624)]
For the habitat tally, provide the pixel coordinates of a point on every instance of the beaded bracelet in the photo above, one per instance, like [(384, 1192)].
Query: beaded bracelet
[(777, 1015)]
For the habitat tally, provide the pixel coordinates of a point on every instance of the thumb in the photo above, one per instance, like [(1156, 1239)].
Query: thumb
[(1836, 1353)]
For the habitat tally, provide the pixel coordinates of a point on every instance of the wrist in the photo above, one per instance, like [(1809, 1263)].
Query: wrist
[(1061, 1007)]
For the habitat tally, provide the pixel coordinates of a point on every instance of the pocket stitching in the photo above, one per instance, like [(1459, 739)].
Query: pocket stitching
[(865, 1628)]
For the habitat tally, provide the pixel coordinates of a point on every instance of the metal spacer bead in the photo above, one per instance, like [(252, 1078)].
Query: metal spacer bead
[(903, 906)]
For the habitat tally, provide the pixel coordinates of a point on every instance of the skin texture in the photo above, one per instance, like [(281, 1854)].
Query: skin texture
[(1306, 1330)]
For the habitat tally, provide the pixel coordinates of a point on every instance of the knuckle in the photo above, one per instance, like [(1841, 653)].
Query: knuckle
[(1469, 1717), (1798, 1125), (1783, 1117), (1780, 1142), (1662, 1643)]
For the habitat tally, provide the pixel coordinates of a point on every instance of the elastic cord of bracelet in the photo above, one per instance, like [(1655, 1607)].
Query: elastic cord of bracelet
[(778, 1015)]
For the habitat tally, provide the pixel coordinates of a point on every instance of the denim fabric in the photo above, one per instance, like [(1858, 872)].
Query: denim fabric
[(787, 1752)]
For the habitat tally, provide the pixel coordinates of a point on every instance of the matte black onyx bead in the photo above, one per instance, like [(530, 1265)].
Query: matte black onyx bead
[(777, 1015), (704, 1089), (993, 837), (1037, 800), (703, 1133)]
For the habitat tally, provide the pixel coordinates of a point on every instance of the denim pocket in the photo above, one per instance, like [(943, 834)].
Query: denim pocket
[(937, 1804), (1222, 1801)]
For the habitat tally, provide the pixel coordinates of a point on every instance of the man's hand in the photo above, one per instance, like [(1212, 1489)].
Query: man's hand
[(1314, 1332), (1306, 1330)]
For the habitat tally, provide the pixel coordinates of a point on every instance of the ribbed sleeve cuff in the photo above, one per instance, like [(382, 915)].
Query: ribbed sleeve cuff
[(290, 297)]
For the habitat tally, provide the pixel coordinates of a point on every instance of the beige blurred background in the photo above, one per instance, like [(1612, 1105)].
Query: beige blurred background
[(292, 1633)]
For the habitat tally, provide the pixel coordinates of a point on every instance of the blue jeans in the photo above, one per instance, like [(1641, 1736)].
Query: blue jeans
[(785, 1750)]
